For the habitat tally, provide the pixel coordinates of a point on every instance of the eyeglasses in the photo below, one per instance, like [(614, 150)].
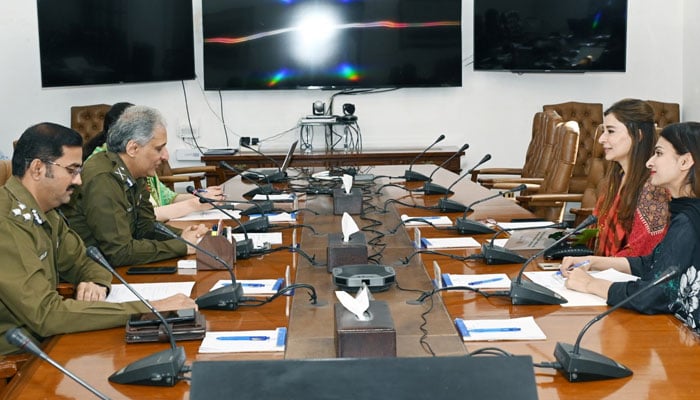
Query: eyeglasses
[(74, 171)]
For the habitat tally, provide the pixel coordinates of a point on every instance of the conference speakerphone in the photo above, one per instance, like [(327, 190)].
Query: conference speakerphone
[(351, 277)]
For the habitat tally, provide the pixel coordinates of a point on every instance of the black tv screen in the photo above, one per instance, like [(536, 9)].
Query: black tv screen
[(331, 44), (90, 42), (550, 35)]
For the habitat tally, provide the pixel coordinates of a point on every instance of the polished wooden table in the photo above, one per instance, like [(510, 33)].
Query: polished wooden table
[(663, 354), (330, 159)]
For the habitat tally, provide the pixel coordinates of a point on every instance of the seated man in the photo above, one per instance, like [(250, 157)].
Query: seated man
[(112, 209), (38, 247)]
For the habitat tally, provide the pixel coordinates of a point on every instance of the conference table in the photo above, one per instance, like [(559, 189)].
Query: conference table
[(661, 352)]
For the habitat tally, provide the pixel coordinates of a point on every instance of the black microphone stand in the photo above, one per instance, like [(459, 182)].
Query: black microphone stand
[(227, 297), (279, 176), (526, 292), (160, 369), (580, 365), (266, 189), (16, 337), (411, 175), (444, 204)]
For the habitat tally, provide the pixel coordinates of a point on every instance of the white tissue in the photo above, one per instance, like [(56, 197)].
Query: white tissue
[(356, 305), (348, 225), (347, 183)]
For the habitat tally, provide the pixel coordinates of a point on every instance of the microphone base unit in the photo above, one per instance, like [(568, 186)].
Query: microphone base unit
[(277, 177), (587, 365), (160, 369), (351, 277), (260, 224), (467, 226), (500, 255), (244, 249), (259, 207), (224, 298), (412, 176), (433, 188), (526, 292), (261, 189), (447, 205)]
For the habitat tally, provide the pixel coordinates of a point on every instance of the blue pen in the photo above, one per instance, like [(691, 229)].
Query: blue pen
[(578, 264), (253, 284), (484, 281), (487, 330), (246, 338)]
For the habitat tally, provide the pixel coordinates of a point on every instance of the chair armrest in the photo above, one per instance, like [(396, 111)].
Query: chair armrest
[(584, 212), (549, 198), (492, 181), (529, 187), (496, 171), (193, 170), (10, 364), (178, 179)]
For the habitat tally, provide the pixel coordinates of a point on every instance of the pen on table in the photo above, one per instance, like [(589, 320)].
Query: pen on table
[(246, 338), (484, 281), (578, 264), (253, 284), (487, 330)]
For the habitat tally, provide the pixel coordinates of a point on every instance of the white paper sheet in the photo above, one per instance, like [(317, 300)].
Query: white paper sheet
[(556, 282), (149, 291)]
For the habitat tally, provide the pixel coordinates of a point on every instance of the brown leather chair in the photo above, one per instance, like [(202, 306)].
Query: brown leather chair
[(665, 113), (5, 171), (556, 180), (588, 116), (536, 168), (170, 176), (88, 120)]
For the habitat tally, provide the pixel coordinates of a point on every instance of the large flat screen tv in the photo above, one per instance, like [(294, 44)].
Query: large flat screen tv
[(331, 44), (550, 35), (91, 42)]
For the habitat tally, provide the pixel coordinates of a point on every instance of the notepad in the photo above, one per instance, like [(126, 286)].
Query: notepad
[(435, 220), (479, 281), (449, 242), (282, 197), (244, 341), (254, 287), (556, 283), (150, 291), (524, 328)]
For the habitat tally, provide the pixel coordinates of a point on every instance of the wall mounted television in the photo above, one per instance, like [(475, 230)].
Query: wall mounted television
[(331, 44), (550, 35), (92, 42)]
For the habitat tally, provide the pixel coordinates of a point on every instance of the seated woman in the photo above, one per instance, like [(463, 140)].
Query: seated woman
[(632, 214), (167, 203), (674, 167)]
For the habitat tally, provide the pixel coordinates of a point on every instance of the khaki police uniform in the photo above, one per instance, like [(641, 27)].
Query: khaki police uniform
[(36, 249), (111, 210)]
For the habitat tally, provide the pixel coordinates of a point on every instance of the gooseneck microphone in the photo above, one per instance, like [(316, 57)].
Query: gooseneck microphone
[(279, 176), (266, 189), (164, 368), (16, 337), (461, 149), (526, 292), (518, 188), (227, 297), (446, 205), (245, 247), (411, 175), (500, 255), (580, 365)]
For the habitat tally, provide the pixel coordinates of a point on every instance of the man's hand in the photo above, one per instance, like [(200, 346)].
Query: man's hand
[(194, 234), (175, 302), (90, 291)]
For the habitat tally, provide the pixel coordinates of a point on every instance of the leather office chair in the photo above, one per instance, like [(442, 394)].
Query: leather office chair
[(665, 113), (533, 174), (588, 116), (170, 176), (556, 180), (88, 120)]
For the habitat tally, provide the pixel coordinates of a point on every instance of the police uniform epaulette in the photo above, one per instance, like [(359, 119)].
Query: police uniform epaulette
[(121, 172), (23, 213)]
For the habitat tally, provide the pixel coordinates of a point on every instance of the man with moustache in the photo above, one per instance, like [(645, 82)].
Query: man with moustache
[(38, 247), (112, 209)]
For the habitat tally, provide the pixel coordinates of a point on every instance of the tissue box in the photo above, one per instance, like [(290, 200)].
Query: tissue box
[(342, 253), (373, 338), (220, 246), (350, 203)]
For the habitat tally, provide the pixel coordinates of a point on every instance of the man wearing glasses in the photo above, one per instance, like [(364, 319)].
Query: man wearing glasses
[(38, 247), (112, 209)]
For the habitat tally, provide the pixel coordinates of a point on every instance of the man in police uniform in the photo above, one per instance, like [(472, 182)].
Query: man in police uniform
[(37, 245), (112, 209)]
